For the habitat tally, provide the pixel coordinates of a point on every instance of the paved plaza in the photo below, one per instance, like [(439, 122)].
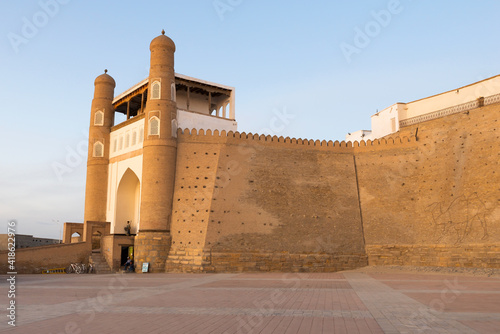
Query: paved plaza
[(346, 302)]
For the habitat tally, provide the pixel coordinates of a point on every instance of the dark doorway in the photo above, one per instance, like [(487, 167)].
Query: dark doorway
[(96, 240), (124, 255)]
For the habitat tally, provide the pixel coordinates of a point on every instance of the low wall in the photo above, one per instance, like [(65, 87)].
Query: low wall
[(34, 259), (470, 255)]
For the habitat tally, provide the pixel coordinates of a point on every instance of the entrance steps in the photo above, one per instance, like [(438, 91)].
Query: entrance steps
[(100, 264)]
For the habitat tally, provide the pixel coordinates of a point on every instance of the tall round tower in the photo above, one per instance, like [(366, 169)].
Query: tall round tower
[(101, 121), (152, 242)]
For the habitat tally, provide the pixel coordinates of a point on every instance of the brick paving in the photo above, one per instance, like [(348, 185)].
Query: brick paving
[(254, 303)]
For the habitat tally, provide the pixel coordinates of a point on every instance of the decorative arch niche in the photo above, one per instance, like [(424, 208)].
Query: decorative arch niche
[(127, 203)]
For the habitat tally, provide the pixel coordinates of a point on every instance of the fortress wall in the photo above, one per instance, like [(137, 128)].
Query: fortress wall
[(245, 202), (436, 203), (282, 204), (195, 182)]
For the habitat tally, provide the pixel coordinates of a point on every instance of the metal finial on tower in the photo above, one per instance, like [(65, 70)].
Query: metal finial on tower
[(105, 71), (163, 31)]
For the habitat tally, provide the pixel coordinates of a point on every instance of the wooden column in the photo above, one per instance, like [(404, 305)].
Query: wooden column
[(128, 109), (209, 103), (187, 103), (142, 102)]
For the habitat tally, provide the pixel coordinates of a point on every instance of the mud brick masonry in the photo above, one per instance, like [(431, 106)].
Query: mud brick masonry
[(421, 189)]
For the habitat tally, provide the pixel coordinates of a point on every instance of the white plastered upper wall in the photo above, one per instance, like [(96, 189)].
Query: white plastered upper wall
[(388, 120), (484, 88)]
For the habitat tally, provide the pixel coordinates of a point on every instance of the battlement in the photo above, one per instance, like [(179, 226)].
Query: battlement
[(224, 137)]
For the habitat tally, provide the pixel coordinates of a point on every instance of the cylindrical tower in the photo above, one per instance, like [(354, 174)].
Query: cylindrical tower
[(152, 242), (101, 121)]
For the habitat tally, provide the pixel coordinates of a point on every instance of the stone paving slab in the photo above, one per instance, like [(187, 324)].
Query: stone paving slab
[(253, 303)]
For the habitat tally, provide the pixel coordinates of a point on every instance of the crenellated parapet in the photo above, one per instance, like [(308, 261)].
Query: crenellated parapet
[(231, 137)]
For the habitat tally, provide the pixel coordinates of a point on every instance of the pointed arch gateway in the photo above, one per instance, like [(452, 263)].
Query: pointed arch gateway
[(127, 203)]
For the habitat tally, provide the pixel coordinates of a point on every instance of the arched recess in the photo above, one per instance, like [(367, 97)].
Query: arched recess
[(156, 90), (154, 126), (127, 203), (96, 240)]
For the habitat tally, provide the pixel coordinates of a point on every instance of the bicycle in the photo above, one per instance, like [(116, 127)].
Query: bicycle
[(78, 268)]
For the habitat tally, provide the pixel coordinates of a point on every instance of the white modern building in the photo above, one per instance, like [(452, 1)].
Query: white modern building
[(389, 120)]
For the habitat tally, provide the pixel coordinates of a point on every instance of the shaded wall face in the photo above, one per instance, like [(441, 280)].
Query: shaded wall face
[(442, 191), (279, 199), (246, 196)]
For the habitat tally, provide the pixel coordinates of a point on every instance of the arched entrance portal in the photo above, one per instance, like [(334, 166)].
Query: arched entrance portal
[(127, 203)]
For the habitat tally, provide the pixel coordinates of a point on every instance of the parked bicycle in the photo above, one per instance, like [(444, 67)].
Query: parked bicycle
[(78, 268)]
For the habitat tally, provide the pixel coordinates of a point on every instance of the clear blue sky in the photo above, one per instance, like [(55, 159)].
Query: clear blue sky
[(280, 55)]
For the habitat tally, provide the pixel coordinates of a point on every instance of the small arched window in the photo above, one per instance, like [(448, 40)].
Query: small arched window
[(174, 128), (134, 138), (114, 145), (155, 90), (98, 149), (127, 140), (141, 135), (99, 118), (154, 126), (172, 91)]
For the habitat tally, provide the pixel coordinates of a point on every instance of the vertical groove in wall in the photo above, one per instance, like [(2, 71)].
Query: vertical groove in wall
[(359, 200)]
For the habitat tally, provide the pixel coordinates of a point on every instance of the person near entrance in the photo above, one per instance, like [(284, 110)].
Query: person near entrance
[(127, 228), (129, 265)]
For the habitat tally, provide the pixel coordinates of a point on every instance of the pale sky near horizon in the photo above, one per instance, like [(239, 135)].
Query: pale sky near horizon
[(328, 64)]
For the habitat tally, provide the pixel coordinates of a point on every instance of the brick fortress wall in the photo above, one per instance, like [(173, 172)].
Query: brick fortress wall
[(436, 204), (250, 203), (255, 203)]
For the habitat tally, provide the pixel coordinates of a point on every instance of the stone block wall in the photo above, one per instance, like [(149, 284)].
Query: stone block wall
[(151, 247), (282, 262), (468, 255), (209, 260)]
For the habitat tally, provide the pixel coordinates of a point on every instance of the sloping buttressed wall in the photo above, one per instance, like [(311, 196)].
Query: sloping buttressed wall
[(244, 203), (437, 203)]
